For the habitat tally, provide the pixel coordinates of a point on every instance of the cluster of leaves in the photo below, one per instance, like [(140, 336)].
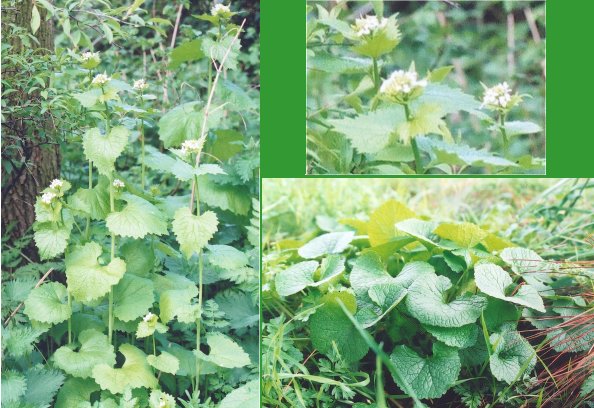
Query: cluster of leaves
[(353, 126), (151, 295), (400, 305)]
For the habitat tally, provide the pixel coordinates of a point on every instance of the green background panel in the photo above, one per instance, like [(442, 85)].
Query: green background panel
[(570, 142)]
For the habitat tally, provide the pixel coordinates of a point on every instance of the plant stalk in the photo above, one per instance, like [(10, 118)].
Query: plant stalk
[(142, 168), (376, 77), (88, 227), (415, 147), (504, 134), (112, 209), (70, 319)]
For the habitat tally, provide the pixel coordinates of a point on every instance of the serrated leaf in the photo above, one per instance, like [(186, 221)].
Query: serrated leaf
[(382, 222), (494, 281), (512, 355), (132, 297), (186, 52), (239, 307), (193, 232), (420, 230), (218, 49), (87, 279), (426, 120), (51, 239), (429, 377), (137, 219), (246, 396), (164, 362), (103, 150), (42, 384), (449, 100), (330, 325), (181, 123), (338, 64), (326, 244), (178, 303), (76, 393), (18, 340), (48, 303), (371, 132), (295, 278), (465, 234), (459, 337), (135, 372), (460, 154), (533, 269), (226, 257), (515, 128), (226, 197), (14, 386), (426, 303), (139, 257), (224, 352), (93, 202), (94, 349), (381, 42)]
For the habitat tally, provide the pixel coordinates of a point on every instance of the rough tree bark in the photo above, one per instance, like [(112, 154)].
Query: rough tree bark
[(39, 163)]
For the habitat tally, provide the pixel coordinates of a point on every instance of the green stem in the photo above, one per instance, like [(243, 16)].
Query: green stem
[(407, 112), (154, 347), (112, 209), (200, 279), (376, 77), (142, 170), (70, 319), (107, 114), (88, 227), (504, 134), (415, 147)]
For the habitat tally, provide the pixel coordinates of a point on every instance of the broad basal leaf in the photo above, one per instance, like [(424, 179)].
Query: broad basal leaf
[(531, 266), (330, 325), (449, 100), (103, 150), (76, 392), (382, 222), (426, 302), (326, 244), (92, 202), (164, 362), (494, 281), (224, 352), (139, 257), (14, 385), (181, 123), (42, 384), (137, 219), (132, 297), (246, 396), (295, 278), (94, 349), (459, 337), (465, 234), (48, 303), (421, 230), (87, 279), (512, 355), (193, 232), (135, 372), (430, 377)]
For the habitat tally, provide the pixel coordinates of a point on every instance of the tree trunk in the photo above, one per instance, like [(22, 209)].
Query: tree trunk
[(30, 162)]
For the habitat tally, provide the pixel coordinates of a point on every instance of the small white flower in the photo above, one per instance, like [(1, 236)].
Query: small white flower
[(369, 25), (148, 317), (101, 79), (47, 198), (191, 146), (219, 9), (401, 84), (89, 55), (498, 96), (56, 183), (117, 183), (162, 403), (140, 85)]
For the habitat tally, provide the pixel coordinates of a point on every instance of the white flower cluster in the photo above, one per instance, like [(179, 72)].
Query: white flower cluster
[(56, 183), (101, 79), (47, 198), (369, 25), (498, 96), (117, 183), (219, 9), (148, 317), (191, 146), (140, 85), (89, 56), (402, 83)]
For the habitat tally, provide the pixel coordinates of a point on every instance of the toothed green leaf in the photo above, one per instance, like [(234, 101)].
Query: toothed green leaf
[(94, 349), (48, 303)]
